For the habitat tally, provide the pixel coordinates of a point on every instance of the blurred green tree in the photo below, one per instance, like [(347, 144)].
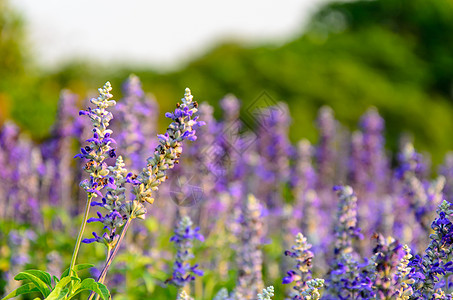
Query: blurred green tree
[(393, 54), (12, 56), (12, 42)]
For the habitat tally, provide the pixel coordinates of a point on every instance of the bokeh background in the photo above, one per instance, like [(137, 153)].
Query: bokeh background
[(396, 55)]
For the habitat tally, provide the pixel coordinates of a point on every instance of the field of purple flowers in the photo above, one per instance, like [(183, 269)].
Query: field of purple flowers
[(226, 209)]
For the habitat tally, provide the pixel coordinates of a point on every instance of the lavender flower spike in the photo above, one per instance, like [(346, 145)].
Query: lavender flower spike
[(96, 153), (183, 272), (385, 263), (346, 228), (427, 271), (249, 256), (346, 277), (167, 153), (99, 148), (303, 256), (404, 290)]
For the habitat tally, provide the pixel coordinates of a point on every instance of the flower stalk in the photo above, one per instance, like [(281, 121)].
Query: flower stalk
[(81, 231)]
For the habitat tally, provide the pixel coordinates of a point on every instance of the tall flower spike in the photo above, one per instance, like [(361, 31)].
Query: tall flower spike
[(325, 152), (9, 159), (26, 179), (183, 271), (346, 228), (249, 256), (204, 168), (301, 253), (167, 153), (306, 210), (386, 258), (227, 148), (418, 196), (55, 151), (347, 277), (403, 288), (410, 161), (135, 123), (428, 270), (100, 144), (373, 155), (273, 148), (304, 175)]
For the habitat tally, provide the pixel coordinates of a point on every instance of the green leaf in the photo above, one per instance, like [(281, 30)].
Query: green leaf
[(44, 276), (74, 278), (103, 291), (59, 291), (55, 279), (25, 289), (77, 268), (60, 296), (91, 285), (40, 285)]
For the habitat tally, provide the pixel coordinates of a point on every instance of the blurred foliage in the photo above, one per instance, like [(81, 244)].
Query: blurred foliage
[(12, 40), (396, 55), (12, 56)]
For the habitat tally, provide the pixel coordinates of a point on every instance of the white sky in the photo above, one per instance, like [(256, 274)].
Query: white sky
[(158, 33)]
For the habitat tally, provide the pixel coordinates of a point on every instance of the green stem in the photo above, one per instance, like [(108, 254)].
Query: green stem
[(109, 251), (115, 251), (109, 261), (79, 237)]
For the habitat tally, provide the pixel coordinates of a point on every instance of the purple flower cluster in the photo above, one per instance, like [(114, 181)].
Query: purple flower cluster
[(393, 204), (273, 149), (428, 270), (249, 255), (134, 129), (301, 274), (183, 271), (348, 278), (99, 147), (21, 165), (326, 150), (167, 153), (387, 258), (114, 178)]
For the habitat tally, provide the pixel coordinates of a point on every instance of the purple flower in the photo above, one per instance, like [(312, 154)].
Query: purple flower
[(167, 153), (326, 149), (99, 148), (301, 254), (92, 240), (249, 256), (427, 270), (135, 123), (274, 150), (183, 271)]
